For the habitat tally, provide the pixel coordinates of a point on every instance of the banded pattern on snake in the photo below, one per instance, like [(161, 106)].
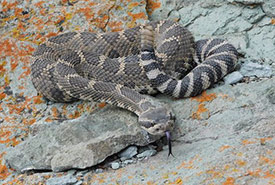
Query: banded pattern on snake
[(119, 67)]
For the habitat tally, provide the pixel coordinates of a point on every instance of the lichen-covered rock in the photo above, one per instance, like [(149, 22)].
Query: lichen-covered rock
[(225, 136)]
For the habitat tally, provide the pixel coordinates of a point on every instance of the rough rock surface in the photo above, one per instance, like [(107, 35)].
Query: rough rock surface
[(225, 136), (78, 143)]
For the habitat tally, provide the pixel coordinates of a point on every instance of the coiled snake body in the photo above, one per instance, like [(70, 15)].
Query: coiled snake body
[(118, 67)]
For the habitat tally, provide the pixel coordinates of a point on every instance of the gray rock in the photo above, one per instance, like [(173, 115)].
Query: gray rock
[(64, 180), (129, 161), (247, 2), (261, 41), (255, 69), (147, 153), (99, 170), (78, 143), (271, 95), (128, 153), (233, 78), (115, 165), (269, 7)]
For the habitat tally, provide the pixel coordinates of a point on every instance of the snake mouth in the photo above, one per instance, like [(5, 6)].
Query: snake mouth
[(168, 137)]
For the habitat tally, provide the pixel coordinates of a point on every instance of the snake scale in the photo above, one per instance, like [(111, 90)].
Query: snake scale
[(119, 67)]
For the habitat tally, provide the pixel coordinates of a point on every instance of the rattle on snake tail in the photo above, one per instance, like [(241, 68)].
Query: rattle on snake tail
[(119, 67)]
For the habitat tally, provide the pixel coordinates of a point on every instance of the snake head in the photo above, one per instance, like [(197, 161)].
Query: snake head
[(157, 121)]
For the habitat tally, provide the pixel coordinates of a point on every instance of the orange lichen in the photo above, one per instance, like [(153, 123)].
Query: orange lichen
[(115, 26), (8, 6), (178, 181), (272, 21), (188, 164), (133, 5), (39, 4), (51, 34), (76, 114), (28, 122), (14, 142), (2, 95), (255, 173), (152, 5), (48, 120), (229, 181), (268, 175), (201, 109), (101, 105), (204, 97), (214, 173), (150, 183), (55, 113), (4, 136), (37, 100), (26, 73), (241, 163), (263, 140), (247, 142), (4, 172), (135, 17), (87, 11), (224, 147)]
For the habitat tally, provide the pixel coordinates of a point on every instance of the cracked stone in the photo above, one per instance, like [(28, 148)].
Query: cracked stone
[(255, 69)]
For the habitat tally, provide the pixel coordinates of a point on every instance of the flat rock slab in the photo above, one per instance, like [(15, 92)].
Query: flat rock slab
[(78, 143)]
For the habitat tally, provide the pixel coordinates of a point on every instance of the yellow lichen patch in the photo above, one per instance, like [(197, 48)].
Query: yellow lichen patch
[(272, 21), (152, 5), (178, 181)]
